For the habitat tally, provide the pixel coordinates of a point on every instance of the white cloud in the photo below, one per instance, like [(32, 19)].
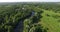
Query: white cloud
[(29, 0)]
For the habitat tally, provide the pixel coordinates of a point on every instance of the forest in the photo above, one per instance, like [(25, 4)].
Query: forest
[(30, 17)]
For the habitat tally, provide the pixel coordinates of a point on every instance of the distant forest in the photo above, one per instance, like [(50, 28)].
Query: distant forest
[(30, 17)]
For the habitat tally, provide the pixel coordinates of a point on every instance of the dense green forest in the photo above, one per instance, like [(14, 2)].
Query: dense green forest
[(30, 17)]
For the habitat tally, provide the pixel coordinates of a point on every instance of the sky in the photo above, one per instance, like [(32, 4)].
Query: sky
[(29, 0)]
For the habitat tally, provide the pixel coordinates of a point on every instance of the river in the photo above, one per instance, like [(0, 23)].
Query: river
[(19, 26)]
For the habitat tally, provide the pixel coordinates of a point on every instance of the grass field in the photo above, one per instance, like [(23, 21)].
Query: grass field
[(51, 20)]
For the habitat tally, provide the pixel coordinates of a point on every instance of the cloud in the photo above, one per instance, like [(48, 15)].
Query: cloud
[(29, 0)]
